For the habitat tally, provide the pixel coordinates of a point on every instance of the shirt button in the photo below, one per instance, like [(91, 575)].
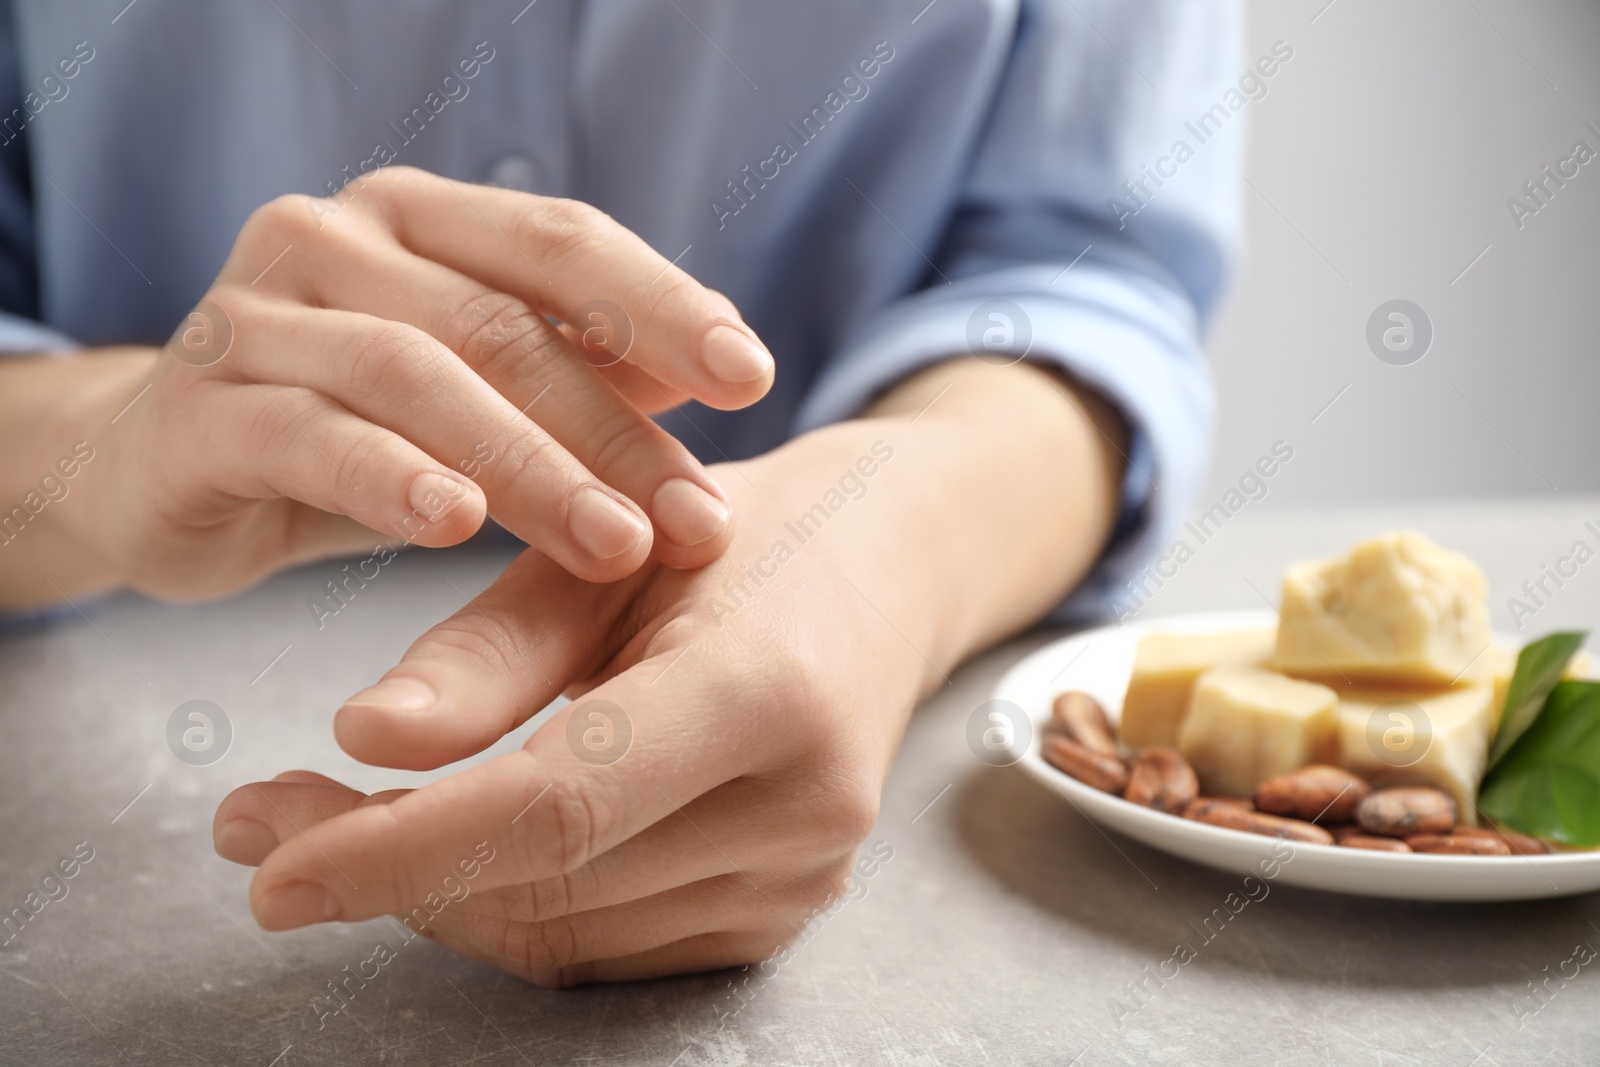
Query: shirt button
[(523, 173)]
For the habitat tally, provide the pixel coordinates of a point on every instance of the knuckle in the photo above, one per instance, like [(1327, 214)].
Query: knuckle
[(825, 886), (561, 228), (402, 879), (273, 428), (530, 459), (478, 642), (547, 898), (385, 190), (626, 434), (388, 357), (545, 946), (801, 674), (293, 215), (394, 176), (577, 826), (847, 815), (269, 428), (674, 289), (500, 336)]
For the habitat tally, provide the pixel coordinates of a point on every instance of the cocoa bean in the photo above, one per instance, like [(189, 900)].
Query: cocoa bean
[(1163, 780), (1105, 773)]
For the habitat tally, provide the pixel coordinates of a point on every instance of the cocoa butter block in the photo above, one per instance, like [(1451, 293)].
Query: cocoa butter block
[(1165, 667), (1397, 608), (1246, 724)]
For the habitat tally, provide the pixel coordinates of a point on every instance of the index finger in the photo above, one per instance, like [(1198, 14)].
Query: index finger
[(567, 259), (591, 778)]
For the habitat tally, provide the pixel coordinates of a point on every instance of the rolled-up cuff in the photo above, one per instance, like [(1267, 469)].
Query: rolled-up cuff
[(20, 336), (1131, 339)]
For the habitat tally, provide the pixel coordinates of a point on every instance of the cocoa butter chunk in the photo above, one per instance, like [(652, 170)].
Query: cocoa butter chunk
[(1246, 725), (1165, 668), (1083, 720), (1401, 736), (1459, 844), (1405, 811), (1105, 773), (1397, 608), (1374, 844), (1318, 793), (1162, 779), (1237, 817)]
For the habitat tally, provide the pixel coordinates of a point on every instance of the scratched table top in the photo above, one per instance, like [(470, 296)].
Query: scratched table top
[(1003, 929)]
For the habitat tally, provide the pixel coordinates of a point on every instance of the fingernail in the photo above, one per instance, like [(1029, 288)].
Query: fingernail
[(733, 357), (432, 495), (245, 841), (602, 526), (686, 513), (396, 694), (297, 904)]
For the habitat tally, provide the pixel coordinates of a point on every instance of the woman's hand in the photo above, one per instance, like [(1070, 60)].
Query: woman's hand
[(383, 361), (709, 792), (708, 788)]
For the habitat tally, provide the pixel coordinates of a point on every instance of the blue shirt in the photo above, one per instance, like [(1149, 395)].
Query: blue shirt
[(877, 185)]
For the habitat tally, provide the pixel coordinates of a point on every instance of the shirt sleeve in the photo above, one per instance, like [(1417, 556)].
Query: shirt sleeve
[(1065, 252), (20, 328)]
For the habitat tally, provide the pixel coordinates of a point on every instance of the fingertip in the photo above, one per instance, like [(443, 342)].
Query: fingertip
[(306, 778), (740, 366), (379, 739), (441, 509), (735, 357), (610, 536), (689, 514), (289, 905), (244, 841), (700, 554), (240, 803), (400, 723), (379, 724)]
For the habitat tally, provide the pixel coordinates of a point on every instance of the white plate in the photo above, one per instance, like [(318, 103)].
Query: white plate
[(1099, 663)]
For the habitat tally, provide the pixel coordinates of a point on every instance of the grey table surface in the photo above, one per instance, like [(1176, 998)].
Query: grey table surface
[(999, 932)]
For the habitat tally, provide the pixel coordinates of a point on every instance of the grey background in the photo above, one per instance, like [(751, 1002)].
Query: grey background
[(1385, 152)]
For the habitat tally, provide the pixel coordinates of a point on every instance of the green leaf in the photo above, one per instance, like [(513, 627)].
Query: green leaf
[(1548, 785), (1539, 667)]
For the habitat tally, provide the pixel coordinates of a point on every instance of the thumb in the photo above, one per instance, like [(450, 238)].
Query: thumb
[(488, 668)]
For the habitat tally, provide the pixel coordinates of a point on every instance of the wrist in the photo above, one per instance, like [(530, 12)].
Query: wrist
[(1008, 493), (94, 422)]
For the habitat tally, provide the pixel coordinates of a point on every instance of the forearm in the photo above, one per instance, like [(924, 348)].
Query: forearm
[(54, 414)]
